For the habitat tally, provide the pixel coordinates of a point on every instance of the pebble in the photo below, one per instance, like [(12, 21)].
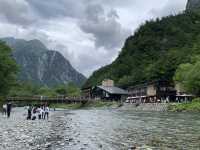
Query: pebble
[(62, 144)]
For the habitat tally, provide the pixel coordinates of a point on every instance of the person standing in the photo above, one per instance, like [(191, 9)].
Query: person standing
[(39, 110), (34, 111), (29, 113), (4, 109), (9, 106), (43, 111), (46, 114)]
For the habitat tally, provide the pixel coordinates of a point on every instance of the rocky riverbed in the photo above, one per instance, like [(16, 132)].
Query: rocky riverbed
[(17, 133), (101, 129)]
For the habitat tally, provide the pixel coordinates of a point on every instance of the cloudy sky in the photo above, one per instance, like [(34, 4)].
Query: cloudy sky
[(89, 33)]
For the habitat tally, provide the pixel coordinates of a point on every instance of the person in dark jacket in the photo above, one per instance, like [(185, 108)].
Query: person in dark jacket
[(9, 107), (29, 113)]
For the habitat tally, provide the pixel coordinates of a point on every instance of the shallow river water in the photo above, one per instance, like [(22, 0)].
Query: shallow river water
[(115, 129)]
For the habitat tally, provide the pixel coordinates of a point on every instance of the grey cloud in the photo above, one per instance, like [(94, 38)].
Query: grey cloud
[(171, 7), (53, 8), (105, 28), (99, 20), (16, 12)]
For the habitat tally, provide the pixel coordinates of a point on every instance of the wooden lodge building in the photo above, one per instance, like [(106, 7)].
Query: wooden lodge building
[(106, 91), (157, 91), (151, 92)]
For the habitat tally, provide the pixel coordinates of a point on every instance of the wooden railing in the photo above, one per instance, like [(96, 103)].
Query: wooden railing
[(47, 99)]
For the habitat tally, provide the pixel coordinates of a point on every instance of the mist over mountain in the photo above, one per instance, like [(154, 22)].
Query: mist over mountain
[(41, 65)]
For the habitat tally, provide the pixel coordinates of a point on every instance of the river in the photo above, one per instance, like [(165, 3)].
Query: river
[(101, 129), (115, 129)]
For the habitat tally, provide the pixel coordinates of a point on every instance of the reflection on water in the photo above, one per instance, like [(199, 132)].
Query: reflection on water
[(123, 129)]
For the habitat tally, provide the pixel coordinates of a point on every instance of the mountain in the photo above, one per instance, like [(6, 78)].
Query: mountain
[(42, 66), (155, 51), (193, 4)]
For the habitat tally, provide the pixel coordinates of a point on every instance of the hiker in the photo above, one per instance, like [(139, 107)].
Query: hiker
[(43, 112), (34, 111), (8, 109), (29, 113), (4, 109), (39, 110), (46, 114)]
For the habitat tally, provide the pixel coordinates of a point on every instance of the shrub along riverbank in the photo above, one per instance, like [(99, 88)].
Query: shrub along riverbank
[(194, 106), (90, 104)]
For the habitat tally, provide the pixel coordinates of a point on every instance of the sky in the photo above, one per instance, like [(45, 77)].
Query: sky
[(89, 33)]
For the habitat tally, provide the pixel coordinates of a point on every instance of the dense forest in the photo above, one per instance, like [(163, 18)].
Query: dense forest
[(155, 51)]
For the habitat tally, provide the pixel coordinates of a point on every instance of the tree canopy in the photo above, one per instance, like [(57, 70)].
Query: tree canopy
[(188, 76), (8, 69), (29, 89)]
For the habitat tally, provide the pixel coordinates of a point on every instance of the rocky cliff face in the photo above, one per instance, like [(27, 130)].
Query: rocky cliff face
[(42, 66), (193, 4)]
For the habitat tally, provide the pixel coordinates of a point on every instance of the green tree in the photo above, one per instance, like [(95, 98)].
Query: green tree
[(73, 90), (46, 91), (69, 90), (61, 90), (8, 69), (188, 76)]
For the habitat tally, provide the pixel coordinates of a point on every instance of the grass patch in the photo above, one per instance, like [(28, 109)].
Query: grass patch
[(193, 106), (91, 104)]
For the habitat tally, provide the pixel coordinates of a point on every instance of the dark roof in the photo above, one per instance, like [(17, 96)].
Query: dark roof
[(113, 90)]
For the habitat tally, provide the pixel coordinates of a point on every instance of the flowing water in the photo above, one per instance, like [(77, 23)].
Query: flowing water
[(115, 129)]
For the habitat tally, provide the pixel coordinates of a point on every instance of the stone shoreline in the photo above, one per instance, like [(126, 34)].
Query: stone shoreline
[(147, 107), (19, 133)]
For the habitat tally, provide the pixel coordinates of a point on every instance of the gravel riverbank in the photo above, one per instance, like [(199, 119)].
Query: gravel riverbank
[(101, 129), (17, 133), (157, 107)]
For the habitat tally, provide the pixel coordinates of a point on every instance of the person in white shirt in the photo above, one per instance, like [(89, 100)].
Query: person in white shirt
[(39, 110), (42, 113), (4, 109), (46, 112)]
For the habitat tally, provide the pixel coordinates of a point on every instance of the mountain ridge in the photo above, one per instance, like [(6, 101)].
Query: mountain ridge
[(41, 65)]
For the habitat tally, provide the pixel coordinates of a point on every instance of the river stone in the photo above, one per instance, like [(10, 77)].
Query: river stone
[(62, 144), (48, 145)]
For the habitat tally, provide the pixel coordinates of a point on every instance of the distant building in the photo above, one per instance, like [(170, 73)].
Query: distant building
[(86, 92), (108, 83), (106, 91), (156, 91), (109, 93), (182, 95)]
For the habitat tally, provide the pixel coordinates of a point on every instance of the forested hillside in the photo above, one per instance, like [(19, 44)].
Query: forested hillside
[(155, 51)]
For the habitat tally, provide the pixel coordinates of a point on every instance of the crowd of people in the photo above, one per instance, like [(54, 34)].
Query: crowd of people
[(33, 112), (40, 112)]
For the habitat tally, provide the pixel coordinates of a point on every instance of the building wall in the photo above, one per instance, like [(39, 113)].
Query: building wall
[(86, 93), (159, 90), (179, 89), (151, 90), (107, 82)]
